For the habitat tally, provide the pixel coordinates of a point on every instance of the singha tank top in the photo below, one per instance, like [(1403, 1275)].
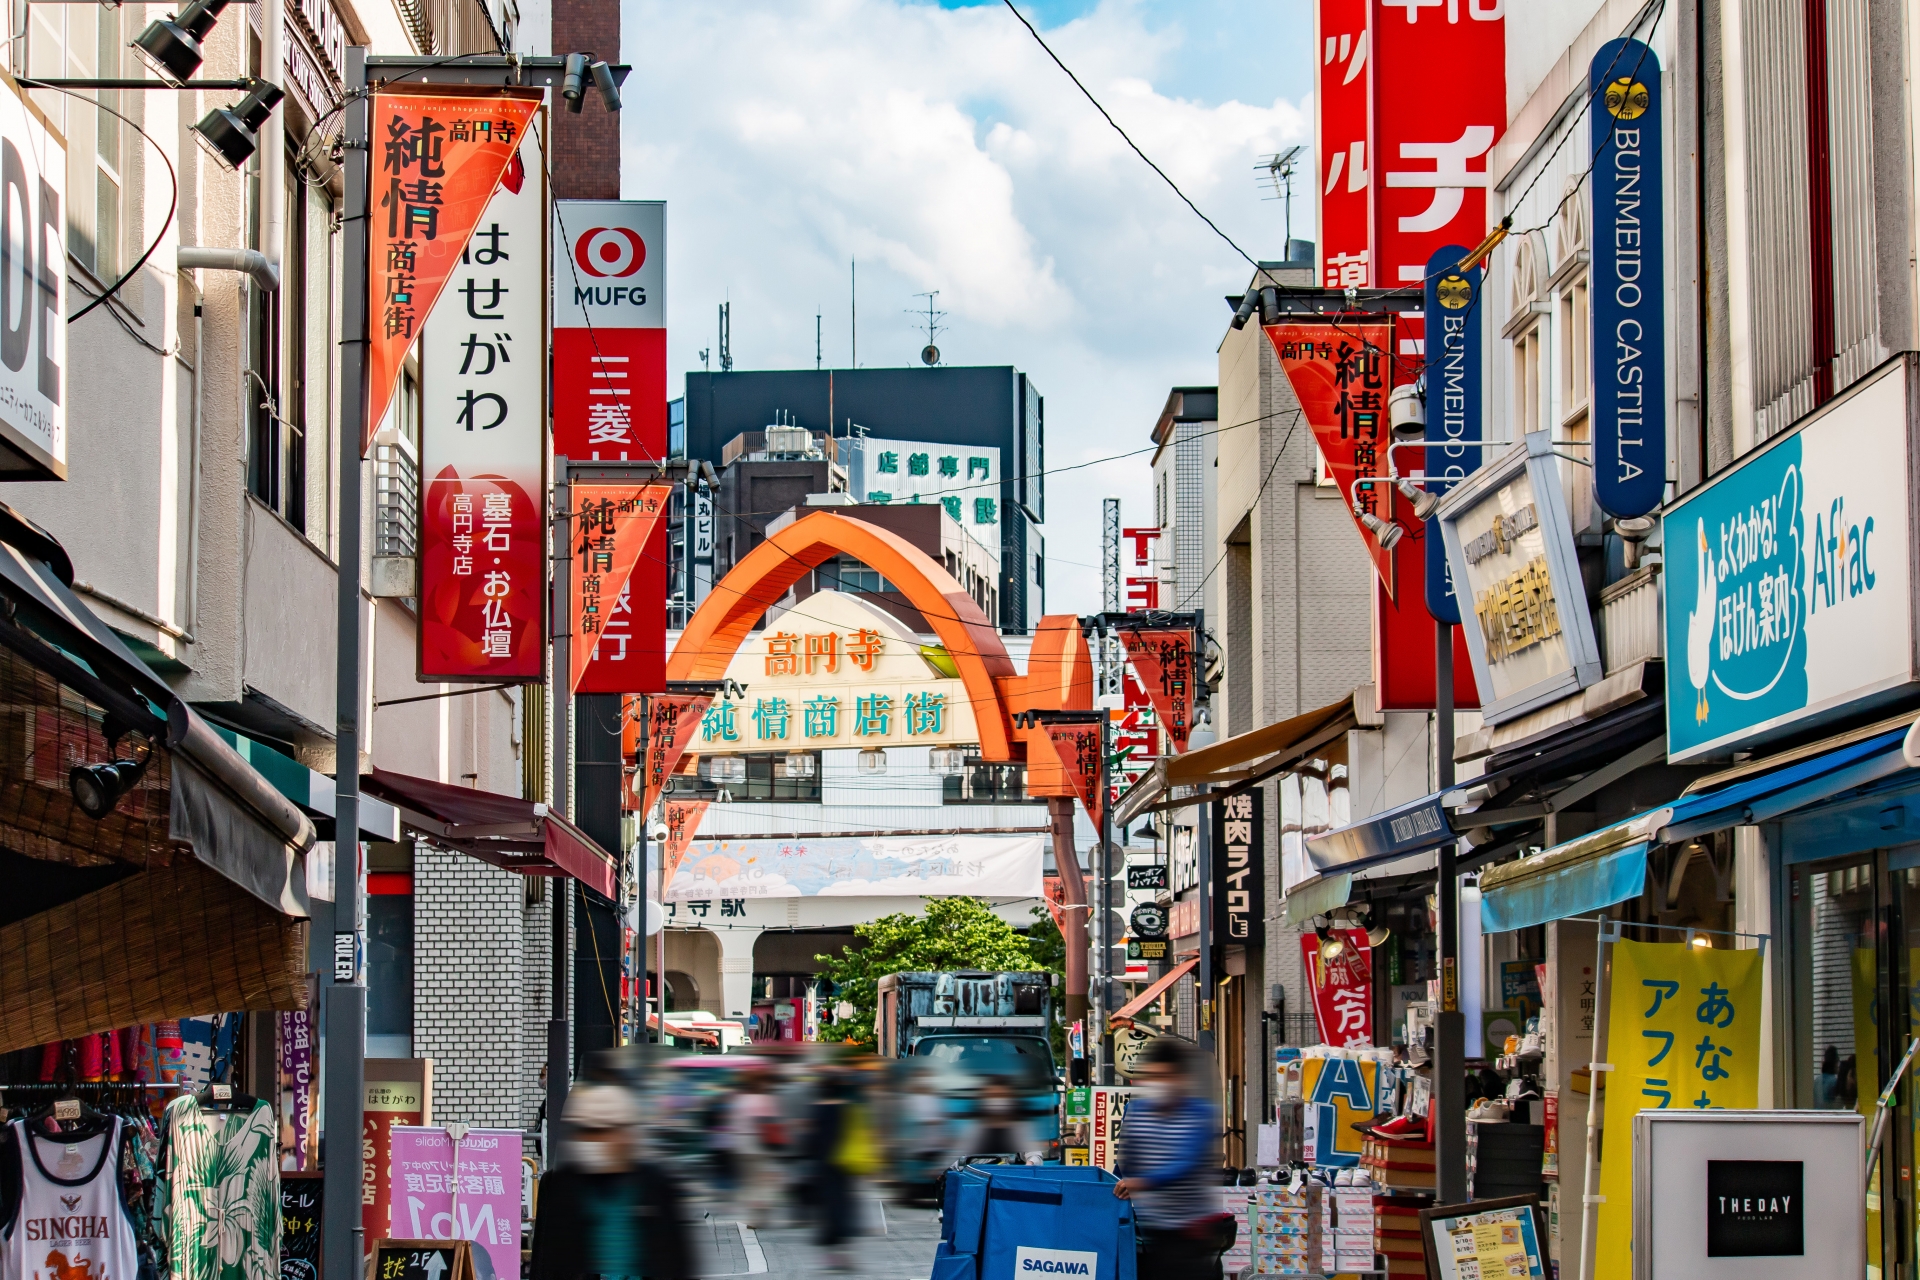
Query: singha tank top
[(71, 1224)]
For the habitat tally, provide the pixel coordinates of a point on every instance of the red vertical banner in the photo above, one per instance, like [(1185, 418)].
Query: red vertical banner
[(483, 534), (671, 720), (1432, 134), (1164, 659), (1078, 746), (439, 155), (1342, 987), (1404, 656), (1342, 158), (1341, 375), (683, 824), (612, 525)]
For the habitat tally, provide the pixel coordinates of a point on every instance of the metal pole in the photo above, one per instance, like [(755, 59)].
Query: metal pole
[(1106, 897), (559, 1027), (638, 1017), (1203, 1001), (1450, 1029), (345, 1027), (1590, 1168)]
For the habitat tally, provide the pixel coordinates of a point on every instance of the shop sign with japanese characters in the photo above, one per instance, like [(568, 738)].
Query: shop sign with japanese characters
[(1239, 869), (1078, 747), (720, 870), (1454, 423), (33, 292), (1342, 987), (439, 155), (609, 329), (458, 1190), (835, 672), (483, 571), (671, 720), (1789, 576), (1510, 542), (1164, 658), (612, 524), (1342, 84), (964, 479)]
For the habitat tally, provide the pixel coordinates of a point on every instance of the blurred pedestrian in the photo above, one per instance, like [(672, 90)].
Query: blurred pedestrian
[(759, 1140), (840, 1151), (1002, 1129), (607, 1211), (1169, 1167)]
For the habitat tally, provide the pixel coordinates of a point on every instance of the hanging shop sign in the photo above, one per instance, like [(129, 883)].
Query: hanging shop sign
[(299, 1088), (1341, 94), (1078, 746), (1683, 1030), (1454, 407), (609, 329), (483, 537), (1341, 376), (836, 671), (1510, 541), (1404, 641), (672, 719), (399, 1091), (612, 525), (439, 153), (1341, 985), (1239, 868), (1789, 576), (465, 1189), (1629, 280), (1430, 149), (683, 823), (1164, 658), (733, 869), (33, 293), (963, 479)]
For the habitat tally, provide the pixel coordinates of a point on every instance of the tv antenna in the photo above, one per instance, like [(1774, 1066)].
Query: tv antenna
[(1279, 169), (930, 354), (726, 337)]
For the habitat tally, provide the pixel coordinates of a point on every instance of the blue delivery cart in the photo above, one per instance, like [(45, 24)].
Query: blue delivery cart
[(1034, 1222)]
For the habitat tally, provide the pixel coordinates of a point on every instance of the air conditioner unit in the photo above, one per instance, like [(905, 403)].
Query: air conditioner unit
[(789, 440)]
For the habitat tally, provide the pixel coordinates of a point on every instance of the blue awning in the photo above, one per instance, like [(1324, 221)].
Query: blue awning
[(1567, 890), (1407, 829), (1778, 792)]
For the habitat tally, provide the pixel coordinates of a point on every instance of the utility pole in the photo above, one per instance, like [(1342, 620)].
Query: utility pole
[(1104, 1005), (1449, 1025), (1110, 681)]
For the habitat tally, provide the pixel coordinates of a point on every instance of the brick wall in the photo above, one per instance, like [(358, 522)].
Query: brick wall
[(586, 160), (469, 986)]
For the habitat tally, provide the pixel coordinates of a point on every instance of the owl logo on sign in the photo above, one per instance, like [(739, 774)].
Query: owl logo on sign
[(1626, 99), (1454, 292)]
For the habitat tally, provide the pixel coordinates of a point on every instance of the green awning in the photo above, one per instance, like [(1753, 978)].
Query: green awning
[(1564, 890), (1316, 896)]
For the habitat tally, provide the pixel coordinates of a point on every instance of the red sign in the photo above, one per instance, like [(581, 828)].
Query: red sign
[(1341, 85), (1078, 746), (1403, 635), (439, 155), (672, 718), (1342, 988), (683, 823), (590, 421), (1341, 375), (1164, 659), (612, 525), (1431, 143)]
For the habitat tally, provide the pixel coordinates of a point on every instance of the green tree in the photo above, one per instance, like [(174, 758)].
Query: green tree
[(955, 933)]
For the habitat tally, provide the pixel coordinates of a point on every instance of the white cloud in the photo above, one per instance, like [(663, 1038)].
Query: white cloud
[(943, 150)]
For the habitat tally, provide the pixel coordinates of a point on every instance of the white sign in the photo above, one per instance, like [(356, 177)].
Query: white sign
[(33, 294), (610, 264), (965, 479), (720, 873), (1031, 1264)]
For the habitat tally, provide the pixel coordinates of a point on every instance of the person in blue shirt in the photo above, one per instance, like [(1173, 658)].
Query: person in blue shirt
[(607, 1212), (1169, 1168)]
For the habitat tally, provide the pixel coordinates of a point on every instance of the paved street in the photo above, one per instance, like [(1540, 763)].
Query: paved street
[(898, 1244)]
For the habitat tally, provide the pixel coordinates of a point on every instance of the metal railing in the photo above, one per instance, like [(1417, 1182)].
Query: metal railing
[(396, 496)]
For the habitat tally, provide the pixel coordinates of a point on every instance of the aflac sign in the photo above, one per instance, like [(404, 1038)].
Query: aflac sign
[(1788, 578)]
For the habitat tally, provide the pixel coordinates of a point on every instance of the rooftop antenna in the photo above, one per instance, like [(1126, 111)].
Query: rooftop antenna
[(726, 337), (930, 354), (816, 352), (1279, 168), (853, 306), (705, 362)]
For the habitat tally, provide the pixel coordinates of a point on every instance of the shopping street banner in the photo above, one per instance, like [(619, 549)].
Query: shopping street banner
[(1164, 658), (464, 1190), (609, 330), (1342, 988), (439, 154), (1683, 1031), (944, 866), (483, 536), (671, 720), (683, 823), (1078, 746), (612, 524), (1341, 87)]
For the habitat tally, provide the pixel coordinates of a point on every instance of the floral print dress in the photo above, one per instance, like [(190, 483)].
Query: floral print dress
[(219, 1192)]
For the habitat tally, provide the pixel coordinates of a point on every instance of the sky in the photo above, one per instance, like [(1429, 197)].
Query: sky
[(936, 146)]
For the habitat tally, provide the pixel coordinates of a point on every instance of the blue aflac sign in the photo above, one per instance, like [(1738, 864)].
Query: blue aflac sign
[(1628, 281), (1454, 432), (1788, 577)]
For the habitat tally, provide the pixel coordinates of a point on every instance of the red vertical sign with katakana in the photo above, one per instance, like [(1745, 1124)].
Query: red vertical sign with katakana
[(1342, 987), (438, 157), (1342, 159)]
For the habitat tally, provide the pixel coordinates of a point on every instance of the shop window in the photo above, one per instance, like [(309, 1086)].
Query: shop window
[(84, 41), (769, 778), (390, 964), (848, 574), (276, 358), (982, 783)]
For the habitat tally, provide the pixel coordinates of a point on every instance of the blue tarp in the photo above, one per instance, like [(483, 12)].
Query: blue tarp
[(1570, 890), (1063, 1220)]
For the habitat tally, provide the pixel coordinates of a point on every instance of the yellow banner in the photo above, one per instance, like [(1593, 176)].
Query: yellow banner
[(1683, 1031)]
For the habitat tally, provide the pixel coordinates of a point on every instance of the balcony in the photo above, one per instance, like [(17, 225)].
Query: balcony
[(396, 495)]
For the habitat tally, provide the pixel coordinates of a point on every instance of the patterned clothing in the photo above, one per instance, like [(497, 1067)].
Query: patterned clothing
[(1171, 1147), (220, 1192)]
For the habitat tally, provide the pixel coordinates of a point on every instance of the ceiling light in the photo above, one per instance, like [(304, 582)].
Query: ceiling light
[(230, 134), (872, 762), (172, 45)]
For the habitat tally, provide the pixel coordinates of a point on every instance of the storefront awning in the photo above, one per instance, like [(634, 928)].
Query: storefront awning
[(1400, 832), (1153, 992), (314, 792), (503, 831), (1609, 865), (1246, 758)]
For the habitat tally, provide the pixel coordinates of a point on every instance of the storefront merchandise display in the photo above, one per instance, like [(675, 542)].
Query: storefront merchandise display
[(220, 1187), (69, 1217)]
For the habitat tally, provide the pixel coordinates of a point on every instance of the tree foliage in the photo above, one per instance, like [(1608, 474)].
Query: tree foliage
[(954, 933)]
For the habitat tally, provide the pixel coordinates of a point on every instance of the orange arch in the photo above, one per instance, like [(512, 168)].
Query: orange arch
[(754, 585), (1059, 678)]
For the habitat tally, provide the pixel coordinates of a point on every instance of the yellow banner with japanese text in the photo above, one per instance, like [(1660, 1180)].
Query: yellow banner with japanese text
[(1683, 1031)]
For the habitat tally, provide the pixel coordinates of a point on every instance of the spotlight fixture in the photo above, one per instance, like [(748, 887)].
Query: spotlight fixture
[(573, 81), (97, 788), (1385, 532), (609, 87), (230, 134), (1407, 412), (1332, 945), (172, 45), (1423, 502), (1244, 312), (872, 762), (1378, 935), (1269, 305)]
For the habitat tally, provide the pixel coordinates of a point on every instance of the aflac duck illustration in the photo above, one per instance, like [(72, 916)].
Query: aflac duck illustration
[(1700, 627)]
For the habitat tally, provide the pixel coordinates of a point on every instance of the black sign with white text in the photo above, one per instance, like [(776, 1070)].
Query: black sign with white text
[(1755, 1209), (1239, 865)]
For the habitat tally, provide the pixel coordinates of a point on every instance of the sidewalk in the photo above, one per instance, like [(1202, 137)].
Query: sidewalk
[(899, 1246)]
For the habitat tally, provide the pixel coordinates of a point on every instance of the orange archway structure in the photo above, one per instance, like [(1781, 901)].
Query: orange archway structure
[(763, 575)]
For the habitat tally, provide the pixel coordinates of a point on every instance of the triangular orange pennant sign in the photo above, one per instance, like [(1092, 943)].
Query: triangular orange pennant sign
[(1164, 659), (673, 717), (439, 153), (683, 822), (1078, 746), (1341, 374), (611, 525)]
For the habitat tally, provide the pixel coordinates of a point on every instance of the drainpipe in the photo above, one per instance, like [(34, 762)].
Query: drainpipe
[(261, 269), (273, 142)]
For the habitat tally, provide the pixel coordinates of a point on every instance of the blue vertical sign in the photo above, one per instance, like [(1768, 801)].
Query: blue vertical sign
[(1454, 323), (1629, 281)]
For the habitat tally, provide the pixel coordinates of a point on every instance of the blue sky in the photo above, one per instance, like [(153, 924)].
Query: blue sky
[(937, 145)]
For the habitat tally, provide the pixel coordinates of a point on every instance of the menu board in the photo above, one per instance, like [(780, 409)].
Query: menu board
[(1485, 1240), (300, 1200)]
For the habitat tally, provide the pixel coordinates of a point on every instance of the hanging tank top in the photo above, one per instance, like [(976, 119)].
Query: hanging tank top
[(71, 1224)]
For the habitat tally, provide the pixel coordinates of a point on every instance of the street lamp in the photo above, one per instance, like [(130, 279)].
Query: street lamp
[(230, 134), (172, 45)]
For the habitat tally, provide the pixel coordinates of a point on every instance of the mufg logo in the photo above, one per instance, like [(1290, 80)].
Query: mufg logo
[(610, 251), (1030, 1264)]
